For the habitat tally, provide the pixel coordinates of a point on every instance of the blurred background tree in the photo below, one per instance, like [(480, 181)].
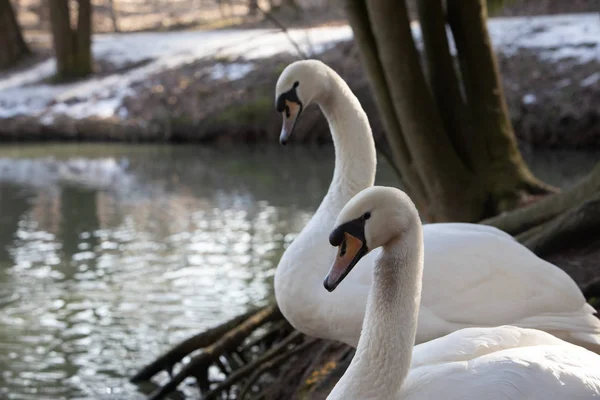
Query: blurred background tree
[(72, 43), (12, 45), (113, 15)]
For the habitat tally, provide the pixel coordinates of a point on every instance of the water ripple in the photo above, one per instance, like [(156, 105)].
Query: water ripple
[(101, 272)]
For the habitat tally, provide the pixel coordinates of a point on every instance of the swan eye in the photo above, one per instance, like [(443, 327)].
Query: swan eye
[(366, 215), (296, 84)]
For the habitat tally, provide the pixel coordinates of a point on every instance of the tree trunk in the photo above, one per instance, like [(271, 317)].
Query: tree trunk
[(83, 38), (113, 15), (359, 19), (443, 79), (495, 154), (61, 36), (449, 189), (453, 144), (12, 44), (292, 7), (72, 46), (252, 8), (290, 4)]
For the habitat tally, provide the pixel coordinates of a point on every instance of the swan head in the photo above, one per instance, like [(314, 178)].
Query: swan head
[(299, 84), (373, 218)]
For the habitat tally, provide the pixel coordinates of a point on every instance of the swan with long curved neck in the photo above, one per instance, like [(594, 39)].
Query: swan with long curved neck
[(475, 363), (474, 275)]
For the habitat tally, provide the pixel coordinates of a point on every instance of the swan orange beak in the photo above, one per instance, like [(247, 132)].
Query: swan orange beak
[(350, 251), (290, 116)]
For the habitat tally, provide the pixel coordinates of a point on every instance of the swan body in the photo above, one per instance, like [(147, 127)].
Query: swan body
[(474, 275), (503, 362)]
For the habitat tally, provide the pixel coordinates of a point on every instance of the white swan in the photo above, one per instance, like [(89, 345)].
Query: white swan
[(475, 363), (474, 275)]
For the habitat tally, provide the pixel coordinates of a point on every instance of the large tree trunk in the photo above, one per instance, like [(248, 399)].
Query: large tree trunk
[(12, 44), (497, 158), (83, 38), (443, 79), (454, 146), (363, 35), (252, 8), (448, 191), (72, 46), (291, 8)]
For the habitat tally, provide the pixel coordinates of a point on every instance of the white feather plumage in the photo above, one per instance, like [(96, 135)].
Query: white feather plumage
[(505, 362), (474, 275)]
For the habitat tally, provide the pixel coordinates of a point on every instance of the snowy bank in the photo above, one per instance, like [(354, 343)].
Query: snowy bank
[(24, 93)]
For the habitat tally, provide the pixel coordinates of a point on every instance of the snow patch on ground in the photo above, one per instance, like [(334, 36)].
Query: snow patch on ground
[(591, 80), (575, 36), (556, 37), (529, 99), (231, 71)]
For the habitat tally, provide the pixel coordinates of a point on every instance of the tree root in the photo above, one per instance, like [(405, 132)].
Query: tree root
[(177, 353), (280, 350), (227, 342), (523, 219), (591, 291), (571, 226), (325, 370), (274, 362), (269, 336), (252, 379)]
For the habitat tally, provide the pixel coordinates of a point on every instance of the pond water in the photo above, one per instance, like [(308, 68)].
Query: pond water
[(110, 254)]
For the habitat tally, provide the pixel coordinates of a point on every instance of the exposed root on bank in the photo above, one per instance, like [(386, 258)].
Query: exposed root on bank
[(219, 347), (252, 367), (523, 219), (573, 226), (591, 291), (168, 360), (247, 350), (273, 363)]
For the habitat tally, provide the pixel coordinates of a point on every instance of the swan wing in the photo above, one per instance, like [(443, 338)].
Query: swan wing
[(483, 277), (502, 363)]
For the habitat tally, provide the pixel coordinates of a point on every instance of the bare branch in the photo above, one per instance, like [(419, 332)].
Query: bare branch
[(284, 29)]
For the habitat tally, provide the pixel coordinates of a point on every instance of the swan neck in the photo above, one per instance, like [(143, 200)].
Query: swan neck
[(384, 350), (355, 156)]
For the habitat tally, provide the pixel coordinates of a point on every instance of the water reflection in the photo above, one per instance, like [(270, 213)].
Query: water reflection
[(110, 254)]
